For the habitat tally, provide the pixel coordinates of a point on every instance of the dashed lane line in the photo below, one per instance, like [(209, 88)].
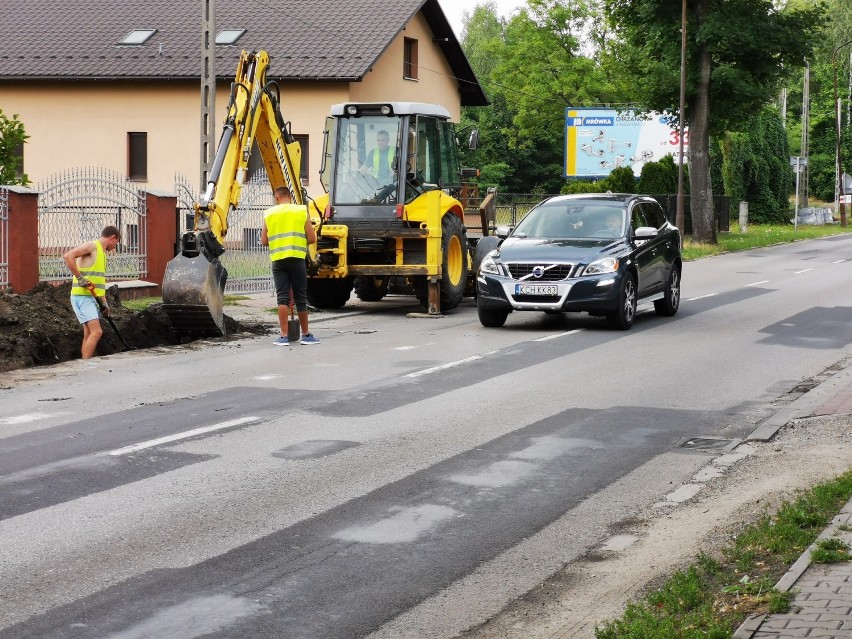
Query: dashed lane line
[(179, 436)]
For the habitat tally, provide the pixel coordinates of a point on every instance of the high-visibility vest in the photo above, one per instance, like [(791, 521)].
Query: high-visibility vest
[(96, 274), (377, 160), (285, 228)]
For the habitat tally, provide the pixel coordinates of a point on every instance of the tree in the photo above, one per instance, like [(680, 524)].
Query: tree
[(738, 53), (12, 136)]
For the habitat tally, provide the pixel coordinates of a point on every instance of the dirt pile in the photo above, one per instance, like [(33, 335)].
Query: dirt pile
[(39, 327)]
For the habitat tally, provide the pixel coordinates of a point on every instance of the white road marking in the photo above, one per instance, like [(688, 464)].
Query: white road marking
[(442, 367), (701, 297), (838, 261), (266, 378), (804, 270), (757, 283), (178, 436), (544, 339), (28, 417), (404, 348)]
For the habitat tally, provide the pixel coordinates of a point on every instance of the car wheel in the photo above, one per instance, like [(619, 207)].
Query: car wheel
[(491, 318), (671, 301), (623, 317)]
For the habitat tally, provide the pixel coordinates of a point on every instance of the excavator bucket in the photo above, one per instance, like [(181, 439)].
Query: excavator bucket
[(193, 291)]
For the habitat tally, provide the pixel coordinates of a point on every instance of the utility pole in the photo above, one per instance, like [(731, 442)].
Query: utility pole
[(679, 213), (806, 125), (208, 87)]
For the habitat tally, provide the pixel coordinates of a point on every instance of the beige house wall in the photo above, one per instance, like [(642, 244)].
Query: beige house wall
[(435, 83), (79, 124)]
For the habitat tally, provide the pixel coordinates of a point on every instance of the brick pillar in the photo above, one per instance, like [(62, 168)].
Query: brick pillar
[(23, 238), (162, 235)]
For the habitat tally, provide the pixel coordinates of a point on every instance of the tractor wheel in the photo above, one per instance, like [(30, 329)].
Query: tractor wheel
[(369, 288), (453, 266), (329, 293)]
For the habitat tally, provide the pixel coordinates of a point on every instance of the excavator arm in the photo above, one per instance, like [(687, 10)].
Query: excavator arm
[(194, 283)]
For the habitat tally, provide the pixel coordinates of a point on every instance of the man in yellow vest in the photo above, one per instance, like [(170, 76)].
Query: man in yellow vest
[(380, 161), (87, 264), (287, 231)]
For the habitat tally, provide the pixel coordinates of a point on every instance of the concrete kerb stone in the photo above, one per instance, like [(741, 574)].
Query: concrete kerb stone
[(804, 406)]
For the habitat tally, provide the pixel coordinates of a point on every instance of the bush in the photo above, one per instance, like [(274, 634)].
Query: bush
[(658, 177), (621, 180)]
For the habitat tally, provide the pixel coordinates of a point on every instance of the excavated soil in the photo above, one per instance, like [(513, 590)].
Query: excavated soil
[(39, 327)]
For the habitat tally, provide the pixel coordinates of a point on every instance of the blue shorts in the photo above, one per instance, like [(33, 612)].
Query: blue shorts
[(85, 307)]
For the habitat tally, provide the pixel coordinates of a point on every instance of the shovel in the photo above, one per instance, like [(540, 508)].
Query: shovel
[(294, 330), (102, 306)]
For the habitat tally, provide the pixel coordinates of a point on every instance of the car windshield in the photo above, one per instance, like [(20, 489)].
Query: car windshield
[(574, 219)]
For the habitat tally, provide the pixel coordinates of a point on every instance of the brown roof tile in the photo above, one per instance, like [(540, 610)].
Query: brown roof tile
[(306, 39)]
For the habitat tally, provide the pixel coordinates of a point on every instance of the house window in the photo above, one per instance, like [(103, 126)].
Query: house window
[(303, 169), (409, 64), (255, 163), (137, 156), (229, 36), (138, 36)]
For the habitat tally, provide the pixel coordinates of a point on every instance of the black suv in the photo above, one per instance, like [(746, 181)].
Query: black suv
[(600, 253)]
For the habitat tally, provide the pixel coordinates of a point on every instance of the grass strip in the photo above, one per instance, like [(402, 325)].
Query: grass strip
[(713, 596), (757, 236)]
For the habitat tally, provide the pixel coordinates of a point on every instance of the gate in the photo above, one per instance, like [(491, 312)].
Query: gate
[(245, 259), (4, 238), (74, 206)]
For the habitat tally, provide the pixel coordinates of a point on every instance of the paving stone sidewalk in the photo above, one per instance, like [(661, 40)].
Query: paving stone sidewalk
[(822, 604)]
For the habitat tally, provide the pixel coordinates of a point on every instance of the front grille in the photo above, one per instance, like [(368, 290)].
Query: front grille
[(552, 272)]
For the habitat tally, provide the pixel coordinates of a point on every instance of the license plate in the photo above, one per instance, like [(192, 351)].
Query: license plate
[(536, 289)]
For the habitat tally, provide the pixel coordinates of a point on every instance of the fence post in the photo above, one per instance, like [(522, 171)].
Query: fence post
[(23, 231), (743, 217), (161, 235)]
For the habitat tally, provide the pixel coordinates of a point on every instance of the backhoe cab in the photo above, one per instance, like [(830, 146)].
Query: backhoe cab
[(389, 170)]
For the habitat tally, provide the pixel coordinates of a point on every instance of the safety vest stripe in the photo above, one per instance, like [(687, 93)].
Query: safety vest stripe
[(299, 249), (291, 234)]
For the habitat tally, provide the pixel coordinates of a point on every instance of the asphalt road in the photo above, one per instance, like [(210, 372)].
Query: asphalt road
[(405, 478)]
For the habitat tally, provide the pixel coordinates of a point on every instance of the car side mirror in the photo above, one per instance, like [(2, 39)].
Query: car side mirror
[(645, 232), (503, 232)]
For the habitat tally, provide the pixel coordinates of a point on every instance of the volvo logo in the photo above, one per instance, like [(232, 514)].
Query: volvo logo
[(537, 272)]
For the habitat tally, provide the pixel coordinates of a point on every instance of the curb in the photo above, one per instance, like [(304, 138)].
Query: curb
[(804, 406), (751, 625)]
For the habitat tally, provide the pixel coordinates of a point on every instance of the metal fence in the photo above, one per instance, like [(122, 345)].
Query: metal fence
[(74, 206), (245, 259), (512, 207), (4, 238)]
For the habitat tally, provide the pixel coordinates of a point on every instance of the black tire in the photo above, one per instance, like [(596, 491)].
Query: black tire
[(622, 318), (453, 266), (329, 293), (490, 318), (483, 248), (668, 306), (369, 288)]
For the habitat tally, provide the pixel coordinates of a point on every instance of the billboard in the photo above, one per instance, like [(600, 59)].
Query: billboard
[(600, 140)]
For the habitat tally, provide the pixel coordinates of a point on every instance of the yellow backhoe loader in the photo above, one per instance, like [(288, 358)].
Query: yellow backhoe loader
[(194, 283)]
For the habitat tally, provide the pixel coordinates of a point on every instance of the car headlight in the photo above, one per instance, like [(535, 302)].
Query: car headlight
[(604, 265), (489, 265)]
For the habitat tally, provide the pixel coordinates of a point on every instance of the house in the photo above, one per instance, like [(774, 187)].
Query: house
[(117, 83)]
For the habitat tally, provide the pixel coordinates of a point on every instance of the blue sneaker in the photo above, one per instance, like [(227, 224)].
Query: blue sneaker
[(308, 338), (281, 341)]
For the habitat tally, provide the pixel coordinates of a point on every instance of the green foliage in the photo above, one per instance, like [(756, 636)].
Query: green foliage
[(582, 186), (658, 177), (12, 136), (821, 174), (830, 551), (756, 168), (621, 180)]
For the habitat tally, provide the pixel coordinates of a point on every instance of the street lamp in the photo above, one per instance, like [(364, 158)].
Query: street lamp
[(839, 167)]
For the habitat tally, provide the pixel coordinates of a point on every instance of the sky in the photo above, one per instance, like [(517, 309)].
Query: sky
[(455, 9)]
